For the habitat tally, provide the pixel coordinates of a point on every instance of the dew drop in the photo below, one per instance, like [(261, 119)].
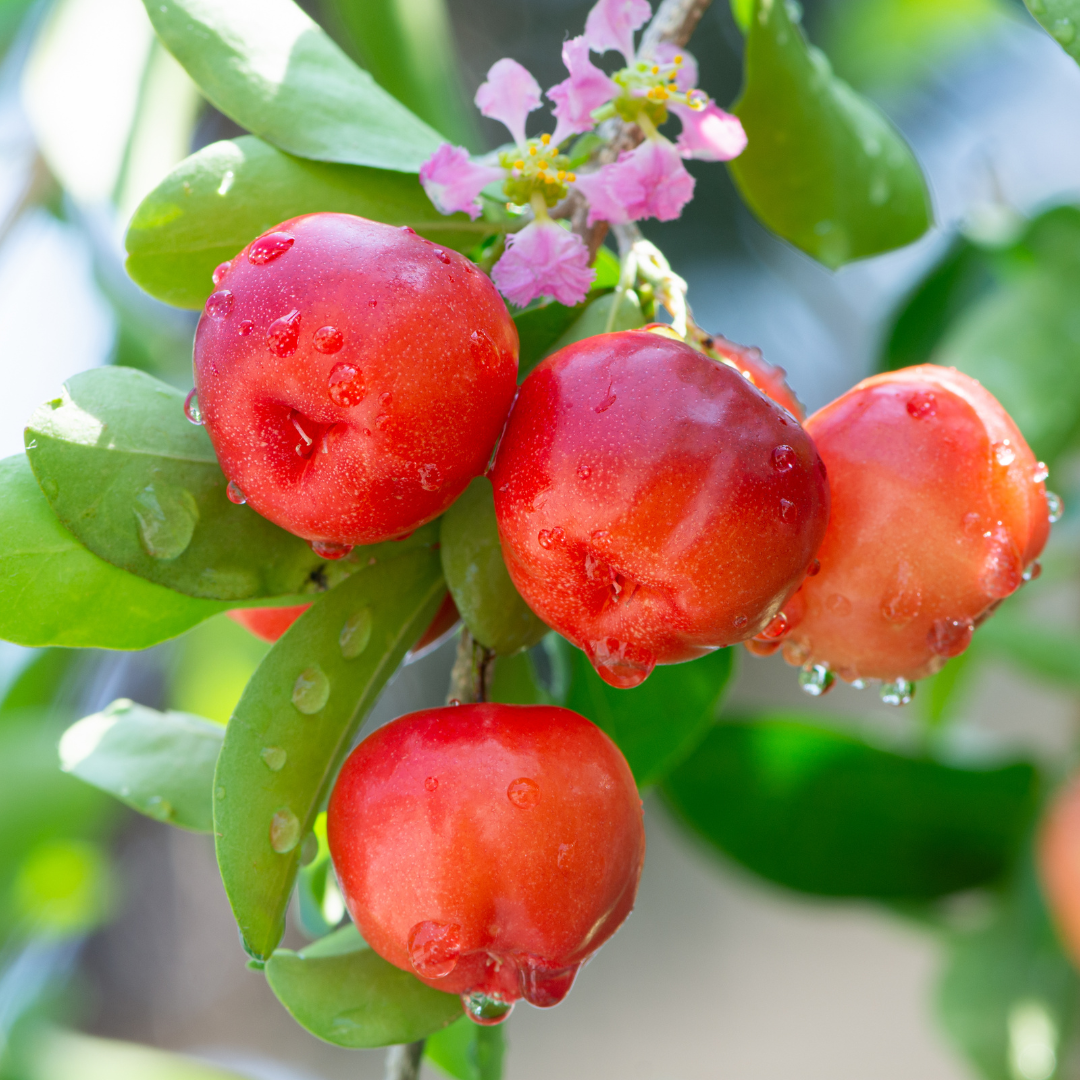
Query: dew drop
[(191, 408), (219, 793), (599, 534), (1055, 506), (430, 477), (787, 510), (565, 858), (269, 247), (814, 568), (234, 494), (921, 405), (1063, 31), (486, 1009), (523, 793), (220, 271), (431, 783), (311, 691), (381, 420), (356, 634), (219, 304), (408, 229), (816, 679), (903, 598), (441, 255), (159, 808), (784, 458), (1002, 572), (434, 948), (1032, 572), (607, 402), (620, 663), (385, 399), (761, 648), (776, 629), (245, 327), (1004, 454), (1041, 472), (949, 637), (167, 517), (50, 487), (796, 652), (284, 334), (546, 986), (898, 692), (548, 538), (584, 472), (273, 757), (328, 549), (837, 604), (858, 684), (346, 386), (972, 524), (328, 339), (284, 831), (739, 622), (373, 304)]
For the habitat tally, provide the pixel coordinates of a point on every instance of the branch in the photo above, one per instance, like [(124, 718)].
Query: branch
[(674, 21), (474, 666), (403, 1062)]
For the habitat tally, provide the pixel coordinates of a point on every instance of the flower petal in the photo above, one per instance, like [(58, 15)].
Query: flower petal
[(453, 182), (575, 98), (650, 181), (709, 134), (687, 76), (509, 95), (544, 259), (611, 25)]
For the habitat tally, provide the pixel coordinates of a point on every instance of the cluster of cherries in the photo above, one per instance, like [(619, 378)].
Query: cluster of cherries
[(655, 501)]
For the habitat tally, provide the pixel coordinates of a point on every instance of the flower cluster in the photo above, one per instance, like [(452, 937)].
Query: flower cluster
[(545, 259)]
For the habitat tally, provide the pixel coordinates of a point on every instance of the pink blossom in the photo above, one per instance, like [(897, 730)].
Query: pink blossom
[(709, 134), (544, 260), (509, 95), (650, 181), (687, 75), (611, 25), (575, 98), (453, 182)]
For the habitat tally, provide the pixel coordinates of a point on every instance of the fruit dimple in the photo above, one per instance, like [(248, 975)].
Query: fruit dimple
[(284, 334), (269, 247)]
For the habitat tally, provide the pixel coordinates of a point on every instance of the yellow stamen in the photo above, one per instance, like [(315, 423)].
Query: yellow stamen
[(655, 70), (519, 164), (541, 164), (545, 139), (561, 174), (571, 177), (532, 150), (678, 58)]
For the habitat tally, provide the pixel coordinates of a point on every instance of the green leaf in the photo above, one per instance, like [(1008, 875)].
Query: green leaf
[(516, 683), (823, 168), (53, 591), (467, 1051), (597, 319), (1047, 652), (742, 11), (345, 993), (657, 724), (295, 723), (219, 199), (266, 65), (1061, 20), (140, 486), (161, 764), (819, 811)]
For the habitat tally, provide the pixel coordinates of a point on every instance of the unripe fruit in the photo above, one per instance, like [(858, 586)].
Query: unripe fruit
[(473, 565), (268, 623), (938, 508), (1058, 862), (768, 378), (353, 377), (653, 506), (489, 849)]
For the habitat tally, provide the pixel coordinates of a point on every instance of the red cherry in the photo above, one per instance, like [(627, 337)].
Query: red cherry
[(653, 505), (936, 512), (1058, 862), (268, 623), (768, 378), (489, 849), (353, 379)]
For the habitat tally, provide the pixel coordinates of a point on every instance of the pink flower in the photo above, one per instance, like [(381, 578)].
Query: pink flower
[(611, 25), (575, 98), (687, 75), (453, 182), (509, 95), (544, 260), (650, 181), (709, 134)]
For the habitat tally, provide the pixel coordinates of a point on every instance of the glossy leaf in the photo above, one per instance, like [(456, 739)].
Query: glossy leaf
[(819, 811), (467, 1051), (53, 591), (516, 682), (216, 201), (1061, 20), (345, 993), (140, 486), (161, 764), (295, 723), (823, 168), (597, 319), (657, 724), (274, 71)]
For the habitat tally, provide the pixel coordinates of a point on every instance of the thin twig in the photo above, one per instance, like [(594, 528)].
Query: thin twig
[(403, 1062), (474, 666), (674, 21)]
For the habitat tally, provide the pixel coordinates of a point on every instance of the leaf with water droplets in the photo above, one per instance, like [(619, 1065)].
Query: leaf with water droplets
[(823, 168), (402, 595), (1061, 20), (161, 764)]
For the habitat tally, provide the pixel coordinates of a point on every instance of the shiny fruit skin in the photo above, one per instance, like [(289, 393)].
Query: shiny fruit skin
[(355, 381), (652, 504), (428, 840), (936, 513), (268, 623), (768, 378), (1057, 858)]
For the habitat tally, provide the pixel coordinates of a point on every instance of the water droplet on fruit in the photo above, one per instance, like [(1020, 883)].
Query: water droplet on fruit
[(607, 402), (434, 948), (1055, 506), (949, 637), (739, 621), (816, 679), (191, 408), (311, 691), (599, 534), (1004, 454), (219, 304), (346, 386), (355, 634), (385, 399), (159, 808), (454, 701), (430, 477), (441, 255), (381, 421), (1002, 571), (972, 524), (234, 494), (327, 549), (328, 339), (167, 517), (584, 471), (431, 783), (284, 334), (373, 304), (548, 538), (565, 858), (921, 405), (220, 271), (523, 793), (796, 653), (836, 604), (408, 229), (1041, 472), (898, 692), (1032, 572), (284, 831), (776, 629), (245, 327), (787, 510), (784, 458), (858, 684), (269, 247), (546, 986), (814, 568), (903, 598), (274, 758), (621, 664), (486, 1010)]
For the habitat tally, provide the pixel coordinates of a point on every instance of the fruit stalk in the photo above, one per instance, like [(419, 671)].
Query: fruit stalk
[(403, 1062), (474, 667)]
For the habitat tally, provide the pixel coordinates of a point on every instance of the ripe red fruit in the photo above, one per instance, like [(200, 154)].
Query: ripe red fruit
[(768, 378), (1058, 861), (268, 623), (652, 504), (353, 377), (938, 507), (489, 849)]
